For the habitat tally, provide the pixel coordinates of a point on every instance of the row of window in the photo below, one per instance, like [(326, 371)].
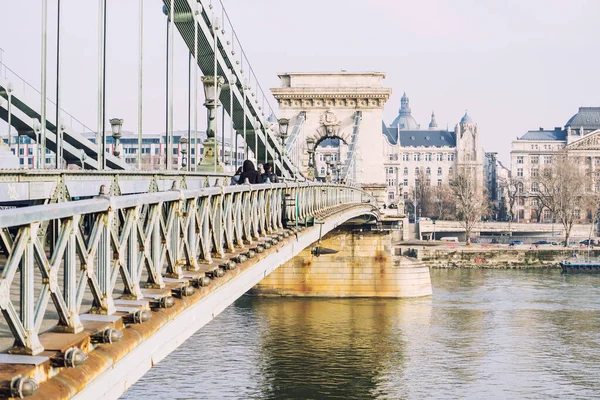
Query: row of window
[(424, 156), (334, 157), (392, 182), (534, 159), (418, 170), (535, 172), (536, 146)]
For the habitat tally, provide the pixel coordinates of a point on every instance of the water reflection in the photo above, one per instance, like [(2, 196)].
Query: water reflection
[(483, 334)]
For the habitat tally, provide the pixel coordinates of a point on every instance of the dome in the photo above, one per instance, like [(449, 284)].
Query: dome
[(404, 120), (587, 118), (466, 119)]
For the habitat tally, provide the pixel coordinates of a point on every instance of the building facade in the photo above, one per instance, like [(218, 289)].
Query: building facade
[(433, 155), (534, 150)]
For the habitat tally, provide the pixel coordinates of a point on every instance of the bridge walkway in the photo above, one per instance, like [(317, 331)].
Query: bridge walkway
[(200, 250)]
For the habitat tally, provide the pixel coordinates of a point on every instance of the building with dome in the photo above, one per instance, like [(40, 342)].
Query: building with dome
[(580, 137), (433, 155)]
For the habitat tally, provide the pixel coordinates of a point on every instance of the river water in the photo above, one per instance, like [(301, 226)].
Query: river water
[(499, 334)]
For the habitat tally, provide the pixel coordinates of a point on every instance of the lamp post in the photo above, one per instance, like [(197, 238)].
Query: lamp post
[(212, 91), (310, 147), (284, 124), (328, 163), (184, 144), (115, 126)]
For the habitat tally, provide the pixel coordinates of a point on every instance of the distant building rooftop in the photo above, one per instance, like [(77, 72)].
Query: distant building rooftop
[(420, 138), (542, 134)]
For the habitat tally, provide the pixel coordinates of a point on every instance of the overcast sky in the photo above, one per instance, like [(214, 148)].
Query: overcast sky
[(514, 64)]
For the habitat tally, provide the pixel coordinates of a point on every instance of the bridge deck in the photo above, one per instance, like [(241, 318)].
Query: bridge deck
[(122, 254)]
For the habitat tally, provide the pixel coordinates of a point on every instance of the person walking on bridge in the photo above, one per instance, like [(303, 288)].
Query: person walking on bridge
[(249, 174), (235, 180), (269, 175)]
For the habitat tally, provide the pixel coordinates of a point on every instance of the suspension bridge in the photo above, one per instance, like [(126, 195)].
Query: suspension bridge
[(107, 266)]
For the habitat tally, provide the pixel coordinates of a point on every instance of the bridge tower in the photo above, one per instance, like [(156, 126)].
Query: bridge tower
[(343, 105)]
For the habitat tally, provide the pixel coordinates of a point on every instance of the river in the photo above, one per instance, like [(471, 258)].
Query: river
[(501, 334)]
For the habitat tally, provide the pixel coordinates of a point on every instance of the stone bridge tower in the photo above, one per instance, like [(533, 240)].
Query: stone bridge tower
[(328, 103)]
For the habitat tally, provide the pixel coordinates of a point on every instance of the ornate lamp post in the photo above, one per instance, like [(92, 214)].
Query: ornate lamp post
[(329, 164), (184, 144), (212, 91), (115, 126), (310, 147), (284, 124)]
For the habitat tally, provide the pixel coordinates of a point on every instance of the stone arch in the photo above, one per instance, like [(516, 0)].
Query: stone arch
[(322, 134), (320, 139)]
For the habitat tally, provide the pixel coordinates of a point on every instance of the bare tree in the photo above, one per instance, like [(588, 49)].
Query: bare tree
[(563, 188), (419, 198), (443, 202), (471, 202), (513, 188)]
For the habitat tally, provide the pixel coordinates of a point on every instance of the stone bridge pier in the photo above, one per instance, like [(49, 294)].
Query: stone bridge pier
[(366, 265)]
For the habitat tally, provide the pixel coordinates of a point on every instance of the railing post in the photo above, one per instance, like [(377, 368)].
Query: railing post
[(174, 233), (70, 278), (31, 343), (156, 243), (133, 249), (104, 266), (192, 234)]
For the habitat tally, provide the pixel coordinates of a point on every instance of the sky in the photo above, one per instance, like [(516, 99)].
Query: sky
[(514, 65)]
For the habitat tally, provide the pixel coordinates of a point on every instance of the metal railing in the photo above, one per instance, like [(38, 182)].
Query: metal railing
[(95, 241)]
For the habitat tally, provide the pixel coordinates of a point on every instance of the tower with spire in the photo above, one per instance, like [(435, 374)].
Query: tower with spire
[(405, 120), (433, 123)]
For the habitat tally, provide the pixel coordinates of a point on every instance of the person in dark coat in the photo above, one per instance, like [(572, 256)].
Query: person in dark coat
[(250, 173), (269, 174), (235, 180)]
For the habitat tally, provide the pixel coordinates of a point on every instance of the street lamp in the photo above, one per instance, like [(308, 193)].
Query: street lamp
[(212, 91), (328, 163), (310, 147), (115, 126), (284, 124), (184, 143)]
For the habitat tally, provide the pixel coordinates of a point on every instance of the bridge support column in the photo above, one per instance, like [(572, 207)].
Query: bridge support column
[(365, 266), (106, 305)]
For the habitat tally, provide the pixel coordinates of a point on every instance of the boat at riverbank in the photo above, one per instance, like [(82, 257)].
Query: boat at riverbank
[(580, 265)]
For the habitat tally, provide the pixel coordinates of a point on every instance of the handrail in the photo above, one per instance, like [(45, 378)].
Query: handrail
[(162, 232)]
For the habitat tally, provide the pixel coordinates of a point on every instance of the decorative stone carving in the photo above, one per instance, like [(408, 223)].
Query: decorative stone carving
[(330, 122), (592, 142)]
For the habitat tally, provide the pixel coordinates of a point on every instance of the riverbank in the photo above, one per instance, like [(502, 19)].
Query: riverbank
[(492, 256)]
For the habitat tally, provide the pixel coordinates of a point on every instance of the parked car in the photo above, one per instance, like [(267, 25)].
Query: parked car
[(541, 242), (589, 242), (515, 242), (393, 206), (449, 239), (474, 240), (494, 241), (571, 243)]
